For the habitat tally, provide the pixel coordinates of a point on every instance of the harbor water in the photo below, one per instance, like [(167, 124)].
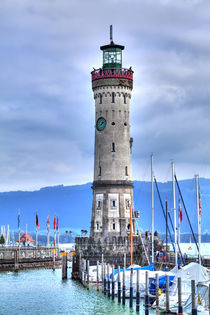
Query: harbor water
[(42, 292)]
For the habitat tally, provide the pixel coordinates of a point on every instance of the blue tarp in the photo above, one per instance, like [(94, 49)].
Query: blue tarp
[(149, 267), (162, 284)]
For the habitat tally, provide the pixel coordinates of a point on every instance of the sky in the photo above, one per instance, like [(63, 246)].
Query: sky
[(48, 49)]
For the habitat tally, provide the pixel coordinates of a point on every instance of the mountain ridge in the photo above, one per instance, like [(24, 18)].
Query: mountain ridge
[(73, 205)]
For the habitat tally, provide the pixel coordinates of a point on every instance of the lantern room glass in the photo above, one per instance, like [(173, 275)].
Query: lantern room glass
[(112, 58)]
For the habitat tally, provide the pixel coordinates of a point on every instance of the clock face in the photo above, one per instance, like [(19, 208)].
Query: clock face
[(101, 124)]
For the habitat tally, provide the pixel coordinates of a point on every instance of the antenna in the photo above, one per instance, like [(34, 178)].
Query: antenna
[(111, 37)]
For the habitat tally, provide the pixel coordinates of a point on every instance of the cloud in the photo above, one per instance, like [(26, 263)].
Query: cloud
[(47, 51)]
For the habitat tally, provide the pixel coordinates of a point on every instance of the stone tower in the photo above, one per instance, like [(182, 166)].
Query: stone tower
[(112, 186)]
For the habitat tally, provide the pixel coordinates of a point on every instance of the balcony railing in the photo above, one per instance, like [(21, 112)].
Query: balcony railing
[(112, 73)]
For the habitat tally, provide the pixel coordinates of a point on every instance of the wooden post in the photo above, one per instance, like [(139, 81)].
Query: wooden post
[(102, 275), (167, 294), (16, 265), (125, 260), (146, 294), (85, 272), (64, 265), (119, 286), (53, 251), (80, 267), (123, 297), (209, 298), (112, 282), (97, 276), (180, 308), (131, 289), (194, 308), (88, 275), (108, 281), (157, 293), (105, 275), (82, 279), (138, 291)]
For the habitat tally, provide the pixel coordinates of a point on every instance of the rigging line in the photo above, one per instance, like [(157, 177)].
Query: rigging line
[(186, 214), (167, 223), (177, 243), (163, 212)]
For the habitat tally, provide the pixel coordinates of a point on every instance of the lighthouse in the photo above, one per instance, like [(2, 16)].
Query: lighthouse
[(112, 187)]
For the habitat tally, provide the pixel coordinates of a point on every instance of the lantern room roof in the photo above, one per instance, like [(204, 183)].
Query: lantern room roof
[(112, 45)]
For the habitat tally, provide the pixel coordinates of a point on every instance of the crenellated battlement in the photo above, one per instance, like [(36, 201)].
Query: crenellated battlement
[(112, 73)]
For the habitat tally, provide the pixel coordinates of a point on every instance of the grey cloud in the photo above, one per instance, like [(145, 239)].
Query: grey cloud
[(47, 51)]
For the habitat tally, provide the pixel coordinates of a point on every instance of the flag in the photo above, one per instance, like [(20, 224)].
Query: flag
[(200, 207), (57, 227), (54, 223), (18, 220), (180, 212), (48, 222), (37, 220)]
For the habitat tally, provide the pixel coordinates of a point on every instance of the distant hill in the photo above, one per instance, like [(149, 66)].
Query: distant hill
[(73, 206)]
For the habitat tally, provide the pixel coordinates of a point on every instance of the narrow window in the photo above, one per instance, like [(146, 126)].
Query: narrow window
[(127, 203), (125, 99), (113, 204), (113, 147), (100, 96), (97, 226), (99, 171), (113, 97), (113, 226), (126, 171), (99, 204)]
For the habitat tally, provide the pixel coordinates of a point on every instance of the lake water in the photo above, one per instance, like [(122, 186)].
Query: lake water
[(42, 292)]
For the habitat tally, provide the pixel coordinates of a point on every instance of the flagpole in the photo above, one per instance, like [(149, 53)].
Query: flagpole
[(174, 209), (26, 234), (48, 230), (48, 237), (198, 218), (179, 226), (152, 205), (58, 237), (19, 227), (54, 227), (57, 228), (36, 237)]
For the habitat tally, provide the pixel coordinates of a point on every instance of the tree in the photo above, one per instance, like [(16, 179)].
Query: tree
[(2, 240), (156, 233)]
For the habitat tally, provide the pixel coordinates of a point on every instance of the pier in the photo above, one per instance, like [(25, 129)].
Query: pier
[(15, 258)]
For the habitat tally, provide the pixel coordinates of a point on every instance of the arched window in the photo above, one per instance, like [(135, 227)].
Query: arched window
[(113, 97), (113, 226)]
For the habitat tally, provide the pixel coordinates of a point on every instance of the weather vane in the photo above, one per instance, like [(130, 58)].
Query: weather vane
[(111, 37)]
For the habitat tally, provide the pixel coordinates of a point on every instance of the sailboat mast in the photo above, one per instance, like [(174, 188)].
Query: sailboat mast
[(198, 217), (152, 201), (131, 234), (174, 209)]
